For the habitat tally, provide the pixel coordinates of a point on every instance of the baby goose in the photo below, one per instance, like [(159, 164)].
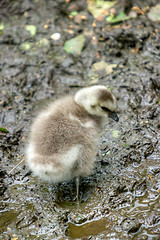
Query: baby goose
[(63, 137)]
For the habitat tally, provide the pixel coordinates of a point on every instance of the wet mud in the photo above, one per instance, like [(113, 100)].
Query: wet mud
[(120, 200)]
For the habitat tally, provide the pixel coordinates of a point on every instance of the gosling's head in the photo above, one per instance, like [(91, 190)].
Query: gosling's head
[(98, 101)]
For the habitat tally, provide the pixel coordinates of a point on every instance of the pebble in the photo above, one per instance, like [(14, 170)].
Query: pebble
[(55, 36)]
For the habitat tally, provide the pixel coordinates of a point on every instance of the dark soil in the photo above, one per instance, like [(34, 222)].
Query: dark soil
[(121, 199)]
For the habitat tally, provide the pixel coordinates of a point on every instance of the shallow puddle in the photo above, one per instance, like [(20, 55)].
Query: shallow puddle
[(87, 229), (7, 218), (120, 200)]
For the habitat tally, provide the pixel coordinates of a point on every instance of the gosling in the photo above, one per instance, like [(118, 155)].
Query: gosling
[(63, 137)]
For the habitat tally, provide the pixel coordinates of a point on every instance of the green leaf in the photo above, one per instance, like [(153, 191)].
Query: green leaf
[(99, 8), (119, 18), (26, 46), (4, 130), (154, 13), (32, 29), (74, 13), (75, 45), (1, 26)]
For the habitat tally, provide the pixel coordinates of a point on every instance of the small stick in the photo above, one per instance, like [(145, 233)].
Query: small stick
[(17, 165)]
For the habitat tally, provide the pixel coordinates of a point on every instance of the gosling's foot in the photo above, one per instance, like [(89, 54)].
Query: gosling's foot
[(77, 180)]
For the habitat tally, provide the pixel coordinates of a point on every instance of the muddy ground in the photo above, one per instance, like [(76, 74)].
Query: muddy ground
[(120, 200)]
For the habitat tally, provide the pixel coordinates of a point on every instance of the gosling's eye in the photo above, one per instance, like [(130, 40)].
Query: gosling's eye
[(105, 109)]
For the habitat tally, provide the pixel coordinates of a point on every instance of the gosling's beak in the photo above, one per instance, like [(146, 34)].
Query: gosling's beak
[(114, 116)]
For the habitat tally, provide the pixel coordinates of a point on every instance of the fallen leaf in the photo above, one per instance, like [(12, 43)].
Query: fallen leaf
[(32, 29), (1, 26), (154, 13), (99, 66), (4, 130), (119, 18), (74, 13), (99, 8), (75, 45), (26, 46)]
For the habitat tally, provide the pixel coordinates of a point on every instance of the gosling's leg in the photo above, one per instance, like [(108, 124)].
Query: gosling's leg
[(77, 187)]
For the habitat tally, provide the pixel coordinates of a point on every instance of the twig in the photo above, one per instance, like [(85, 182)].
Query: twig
[(17, 165)]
